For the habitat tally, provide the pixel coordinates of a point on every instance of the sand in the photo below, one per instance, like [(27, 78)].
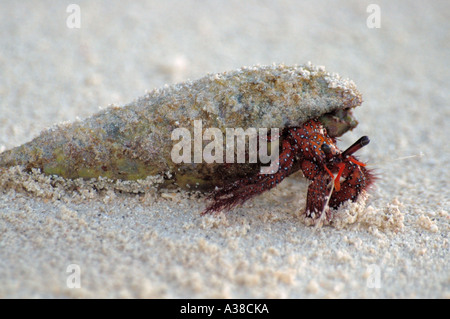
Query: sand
[(117, 244)]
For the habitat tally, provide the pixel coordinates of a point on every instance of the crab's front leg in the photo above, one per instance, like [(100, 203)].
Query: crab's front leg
[(240, 191), (317, 190), (355, 179)]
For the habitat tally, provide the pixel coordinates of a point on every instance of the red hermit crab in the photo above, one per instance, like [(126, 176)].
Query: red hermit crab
[(310, 149), (309, 106)]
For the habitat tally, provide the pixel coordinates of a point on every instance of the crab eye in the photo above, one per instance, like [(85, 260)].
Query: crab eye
[(326, 148), (364, 140)]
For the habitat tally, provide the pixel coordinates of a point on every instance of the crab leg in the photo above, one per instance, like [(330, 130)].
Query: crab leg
[(244, 189), (357, 178), (317, 195)]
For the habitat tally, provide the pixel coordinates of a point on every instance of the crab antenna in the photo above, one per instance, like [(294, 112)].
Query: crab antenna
[(363, 141)]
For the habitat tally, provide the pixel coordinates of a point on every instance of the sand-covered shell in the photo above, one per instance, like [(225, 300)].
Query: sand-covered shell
[(134, 141)]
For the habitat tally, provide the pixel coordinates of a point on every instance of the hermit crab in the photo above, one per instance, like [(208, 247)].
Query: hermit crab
[(312, 150), (307, 105)]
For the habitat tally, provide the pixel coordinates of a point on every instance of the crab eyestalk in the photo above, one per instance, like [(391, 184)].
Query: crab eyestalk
[(363, 141)]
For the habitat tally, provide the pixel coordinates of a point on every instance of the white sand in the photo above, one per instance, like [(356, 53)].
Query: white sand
[(159, 246)]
